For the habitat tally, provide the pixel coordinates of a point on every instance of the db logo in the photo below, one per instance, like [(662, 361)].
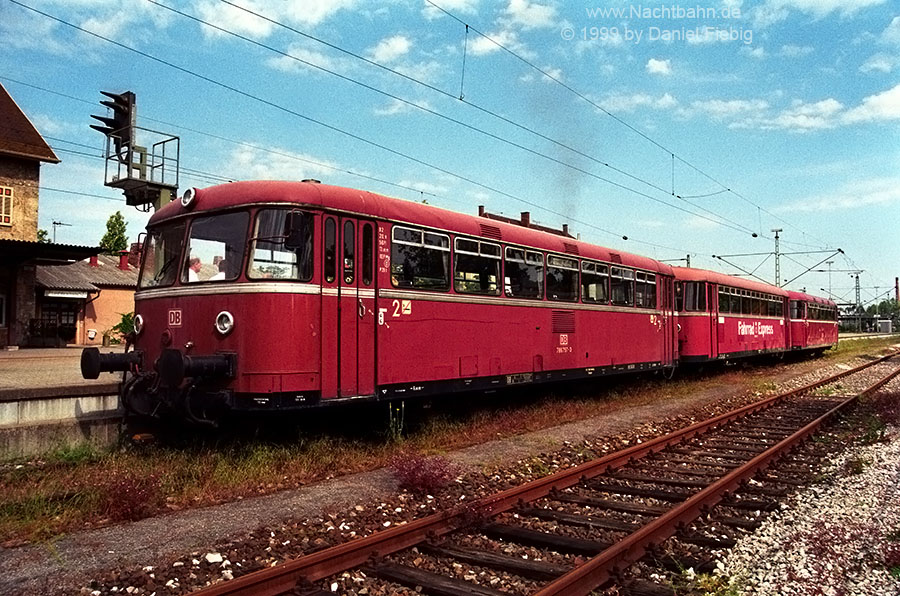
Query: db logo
[(563, 339), (175, 317)]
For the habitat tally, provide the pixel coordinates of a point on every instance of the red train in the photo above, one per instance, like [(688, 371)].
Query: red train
[(282, 295)]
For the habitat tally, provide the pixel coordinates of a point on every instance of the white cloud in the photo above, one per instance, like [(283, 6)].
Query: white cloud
[(296, 53), (451, 6), (776, 11), (531, 15), (660, 67), (531, 76), (234, 19), (891, 33), (395, 106), (859, 194), (390, 48), (803, 116), (880, 107), (291, 12), (47, 125), (481, 46), (719, 109), (758, 52), (629, 103), (247, 163), (799, 116), (880, 62), (309, 12)]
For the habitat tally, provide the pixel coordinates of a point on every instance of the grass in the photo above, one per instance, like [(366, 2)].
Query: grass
[(75, 487)]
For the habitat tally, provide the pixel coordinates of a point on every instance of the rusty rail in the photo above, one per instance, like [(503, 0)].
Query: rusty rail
[(319, 565), (586, 578)]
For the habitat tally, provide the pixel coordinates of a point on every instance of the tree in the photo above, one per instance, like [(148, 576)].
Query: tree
[(43, 236), (115, 239)]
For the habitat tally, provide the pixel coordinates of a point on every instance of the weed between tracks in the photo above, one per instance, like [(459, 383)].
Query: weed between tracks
[(83, 486)]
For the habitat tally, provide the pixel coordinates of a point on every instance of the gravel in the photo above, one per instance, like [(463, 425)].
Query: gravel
[(835, 538), (339, 520)]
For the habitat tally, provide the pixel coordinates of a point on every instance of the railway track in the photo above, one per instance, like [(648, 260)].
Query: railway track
[(667, 502)]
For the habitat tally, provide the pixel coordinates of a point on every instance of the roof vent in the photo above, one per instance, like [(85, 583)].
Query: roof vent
[(490, 231), (571, 249), (311, 181), (615, 257)]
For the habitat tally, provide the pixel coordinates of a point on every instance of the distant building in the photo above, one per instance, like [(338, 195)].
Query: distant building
[(78, 303), (22, 151)]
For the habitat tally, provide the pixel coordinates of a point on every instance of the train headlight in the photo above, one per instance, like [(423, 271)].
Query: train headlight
[(138, 324), (189, 198), (224, 322)]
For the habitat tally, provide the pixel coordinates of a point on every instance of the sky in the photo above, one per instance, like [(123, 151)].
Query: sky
[(661, 129)]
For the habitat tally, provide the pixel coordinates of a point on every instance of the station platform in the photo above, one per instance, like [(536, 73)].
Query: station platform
[(34, 368)]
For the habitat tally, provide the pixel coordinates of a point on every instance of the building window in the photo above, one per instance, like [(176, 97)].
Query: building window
[(6, 205)]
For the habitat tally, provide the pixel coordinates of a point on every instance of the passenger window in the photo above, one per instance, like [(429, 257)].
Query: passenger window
[(349, 251), (622, 286), (476, 267), (594, 283), (420, 259), (368, 239), (735, 301), (562, 279), (524, 273), (724, 300), (330, 250)]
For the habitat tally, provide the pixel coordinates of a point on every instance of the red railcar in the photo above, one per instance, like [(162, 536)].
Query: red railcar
[(813, 322), (278, 295), (723, 317)]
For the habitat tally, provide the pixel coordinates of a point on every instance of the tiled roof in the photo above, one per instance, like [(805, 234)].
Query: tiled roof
[(18, 251), (18, 136), (62, 277), (81, 276)]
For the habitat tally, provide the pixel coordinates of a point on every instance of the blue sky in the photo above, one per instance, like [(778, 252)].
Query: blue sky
[(779, 114)]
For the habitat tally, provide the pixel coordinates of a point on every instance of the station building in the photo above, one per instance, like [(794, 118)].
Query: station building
[(22, 153)]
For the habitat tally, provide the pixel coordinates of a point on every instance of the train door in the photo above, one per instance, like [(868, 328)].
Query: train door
[(669, 327), (348, 296), (712, 303)]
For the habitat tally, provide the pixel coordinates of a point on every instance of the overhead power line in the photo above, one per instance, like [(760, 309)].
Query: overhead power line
[(598, 106), (325, 125), (716, 218)]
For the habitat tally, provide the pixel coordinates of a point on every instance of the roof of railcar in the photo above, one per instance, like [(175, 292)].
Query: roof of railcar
[(810, 298), (690, 274), (368, 204)]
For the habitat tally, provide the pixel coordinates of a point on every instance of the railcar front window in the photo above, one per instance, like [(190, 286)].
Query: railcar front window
[(476, 267), (524, 273), (161, 256), (215, 247), (420, 259), (562, 279), (270, 258), (594, 283)]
